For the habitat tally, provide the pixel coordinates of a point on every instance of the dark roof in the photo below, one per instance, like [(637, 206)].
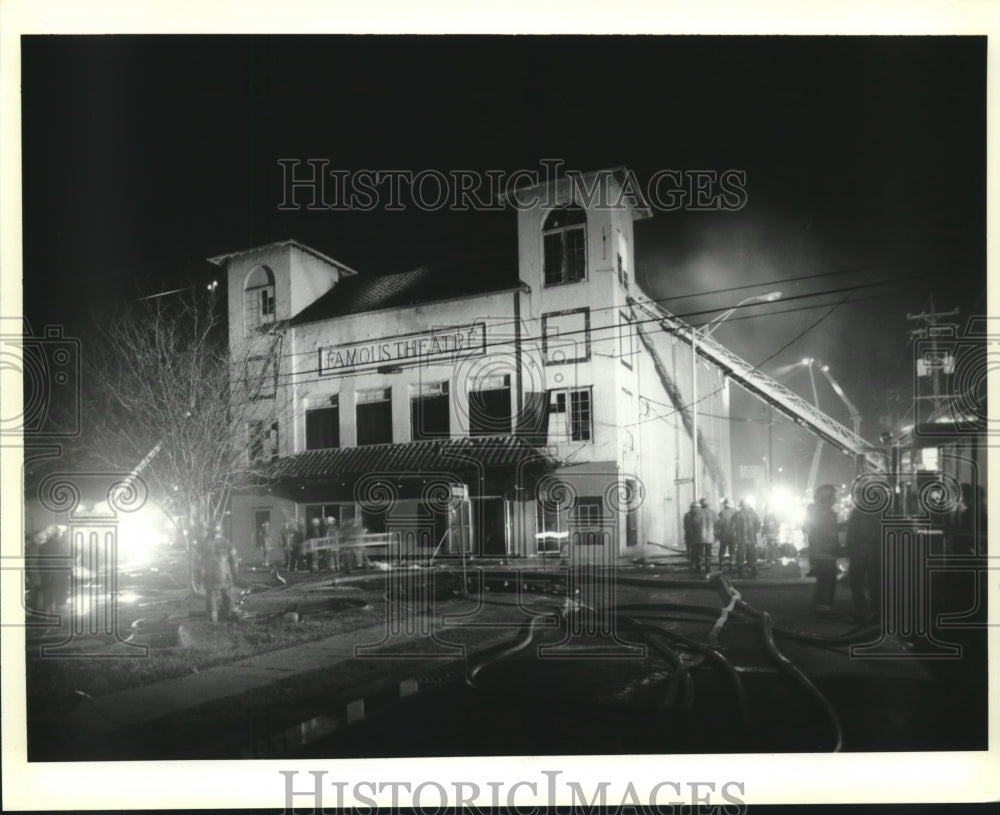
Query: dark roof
[(218, 260), (362, 293), (448, 455)]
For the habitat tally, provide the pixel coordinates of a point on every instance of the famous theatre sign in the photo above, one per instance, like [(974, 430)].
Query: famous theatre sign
[(438, 346)]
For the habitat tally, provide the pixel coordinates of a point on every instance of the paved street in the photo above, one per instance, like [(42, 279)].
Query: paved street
[(328, 698)]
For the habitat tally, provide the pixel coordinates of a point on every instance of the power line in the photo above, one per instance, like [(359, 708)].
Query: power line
[(769, 282), (592, 330)]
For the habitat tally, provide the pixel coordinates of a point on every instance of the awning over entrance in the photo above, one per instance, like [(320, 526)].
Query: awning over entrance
[(450, 455)]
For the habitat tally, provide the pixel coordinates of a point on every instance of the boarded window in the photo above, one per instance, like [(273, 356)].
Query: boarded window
[(262, 440), (260, 377), (374, 416), (566, 336)]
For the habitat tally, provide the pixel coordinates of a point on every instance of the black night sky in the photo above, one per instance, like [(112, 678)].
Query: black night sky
[(864, 156)]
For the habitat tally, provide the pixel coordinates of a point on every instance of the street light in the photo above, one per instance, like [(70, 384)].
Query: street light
[(707, 330), (768, 297)]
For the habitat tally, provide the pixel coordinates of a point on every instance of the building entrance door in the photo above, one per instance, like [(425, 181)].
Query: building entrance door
[(263, 537), (494, 520)]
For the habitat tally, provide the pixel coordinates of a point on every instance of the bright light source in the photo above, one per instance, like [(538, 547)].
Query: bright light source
[(139, 534), (807, 360), (771, 296), (929, 458), (780, 498)]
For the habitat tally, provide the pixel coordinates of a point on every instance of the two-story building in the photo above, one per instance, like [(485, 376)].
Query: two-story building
[(501, 409)]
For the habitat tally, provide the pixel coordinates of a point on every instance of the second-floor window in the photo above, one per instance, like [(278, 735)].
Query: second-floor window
[(258, 300), (323, 426), (429, 412), (374, 416), (564, 246), (570, 415), (261, 377), (489, 406), (262, 440)]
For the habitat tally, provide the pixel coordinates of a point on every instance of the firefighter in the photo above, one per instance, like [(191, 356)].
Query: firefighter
[(296, 538), (314, 532), (745, 526), (218, 568), (821, 527), (692, 532), (285, 540), (771, 529), (707, 534), (699, 533), (864, 548), (264, 543), (724, 532)]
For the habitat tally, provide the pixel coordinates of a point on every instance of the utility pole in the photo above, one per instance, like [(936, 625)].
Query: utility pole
[(770, 450), (931, 329)]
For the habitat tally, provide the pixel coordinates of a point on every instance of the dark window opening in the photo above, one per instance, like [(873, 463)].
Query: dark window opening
[(323, 428), (374, 417), (489, 408), (372, 521), (258, 300), (429, 414), (564, 246)]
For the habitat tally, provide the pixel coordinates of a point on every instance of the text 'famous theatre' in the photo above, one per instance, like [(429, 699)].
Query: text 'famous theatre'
[(499, 409)]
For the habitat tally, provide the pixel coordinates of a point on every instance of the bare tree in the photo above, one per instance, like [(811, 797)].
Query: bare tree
[(169, 401)]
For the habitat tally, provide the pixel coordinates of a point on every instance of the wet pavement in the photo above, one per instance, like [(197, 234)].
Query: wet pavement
[(604, 684)]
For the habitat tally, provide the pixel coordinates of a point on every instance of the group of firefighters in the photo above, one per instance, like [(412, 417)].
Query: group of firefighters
[(218, 562), (296, 556), (736, 531)]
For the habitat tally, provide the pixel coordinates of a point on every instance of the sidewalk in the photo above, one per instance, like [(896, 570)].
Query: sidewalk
[(118, 717)]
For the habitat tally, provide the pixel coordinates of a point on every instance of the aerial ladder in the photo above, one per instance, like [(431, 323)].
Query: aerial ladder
[(773, 393), (855, 413)]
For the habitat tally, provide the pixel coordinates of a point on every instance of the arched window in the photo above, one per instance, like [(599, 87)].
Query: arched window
[(564, 245), (258, 299)]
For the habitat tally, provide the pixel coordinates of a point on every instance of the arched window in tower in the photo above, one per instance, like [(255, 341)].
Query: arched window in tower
[(258, 300), (564, 246)]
